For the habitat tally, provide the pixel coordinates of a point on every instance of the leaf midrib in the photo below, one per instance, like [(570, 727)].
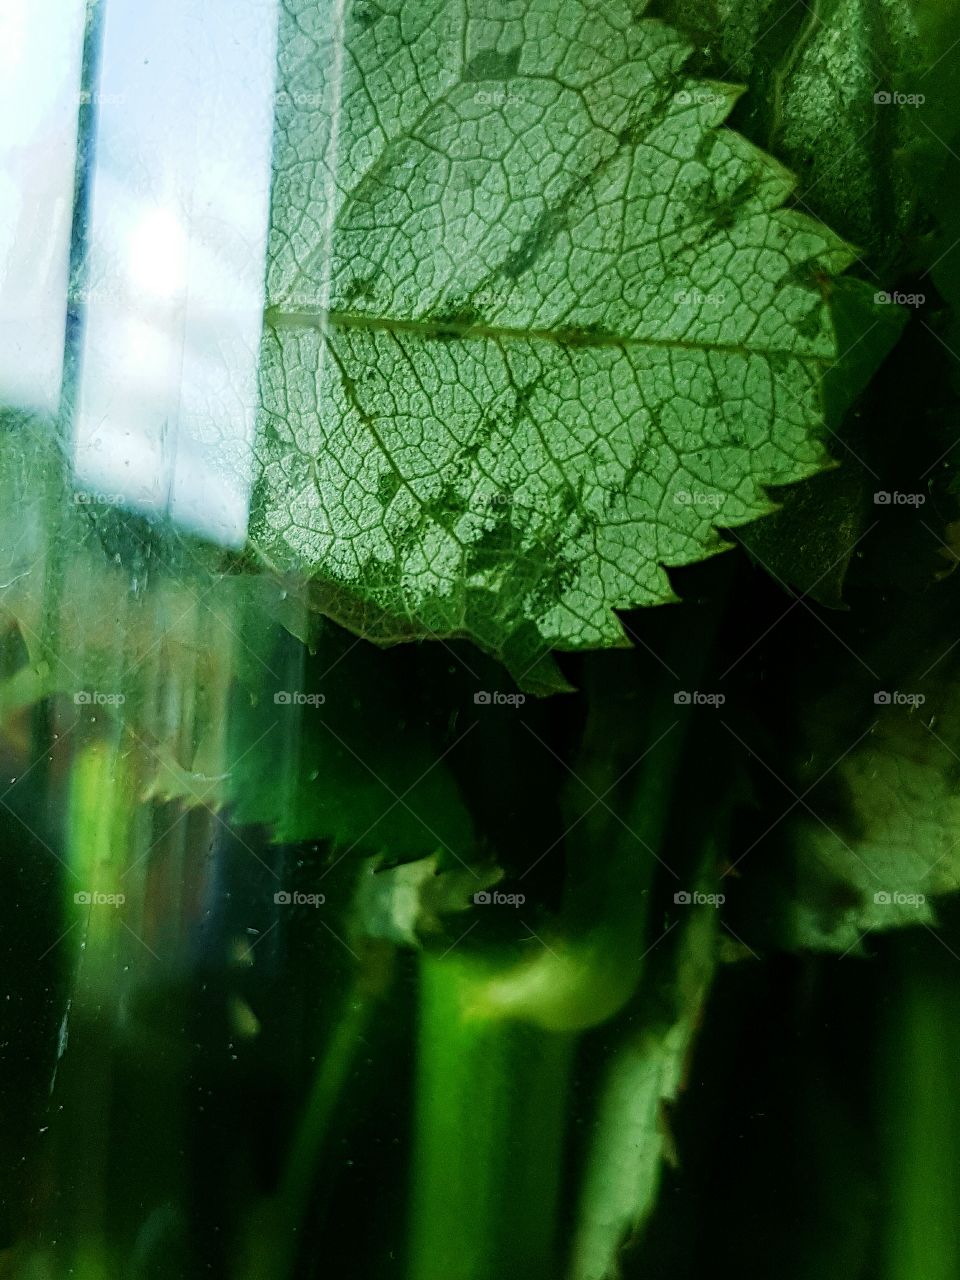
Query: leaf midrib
[(443, 330)]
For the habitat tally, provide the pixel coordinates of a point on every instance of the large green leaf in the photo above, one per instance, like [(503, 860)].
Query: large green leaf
[(536, 326), (822, 79), (879, 747), (810, 541), (821, 83)]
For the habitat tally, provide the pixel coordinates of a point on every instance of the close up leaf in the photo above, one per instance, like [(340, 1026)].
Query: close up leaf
[(543, 329)]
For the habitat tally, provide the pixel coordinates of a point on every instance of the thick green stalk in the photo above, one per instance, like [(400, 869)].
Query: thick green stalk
[(102, 817), (496, 1042), (921, 1115), (497, 1036), (277, 1227), (490, 1123)]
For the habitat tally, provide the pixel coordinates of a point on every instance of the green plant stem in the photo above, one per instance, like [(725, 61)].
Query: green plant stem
[(921, 1115), (102, 821), (278, 1228), (490, 1119), (645, 1070), (496, 1039)]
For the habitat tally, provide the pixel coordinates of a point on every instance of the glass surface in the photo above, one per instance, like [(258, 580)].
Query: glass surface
[(422, 856)]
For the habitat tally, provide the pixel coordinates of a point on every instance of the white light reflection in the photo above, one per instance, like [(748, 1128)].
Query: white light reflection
[(41, 49), (176, 252), (157, 255)]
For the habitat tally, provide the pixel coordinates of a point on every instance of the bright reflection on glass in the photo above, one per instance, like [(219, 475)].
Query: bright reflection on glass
[(173, 297), (158, 254), (41, 45)]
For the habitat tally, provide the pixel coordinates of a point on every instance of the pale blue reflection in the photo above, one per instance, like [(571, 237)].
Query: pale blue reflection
[(173, 292), (41, 47)]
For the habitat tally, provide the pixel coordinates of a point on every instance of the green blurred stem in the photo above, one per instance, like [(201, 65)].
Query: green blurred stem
[(490, 1121), (921, 1112), (101, 823), (497, 1036), (277, 1231), (594, 954)]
